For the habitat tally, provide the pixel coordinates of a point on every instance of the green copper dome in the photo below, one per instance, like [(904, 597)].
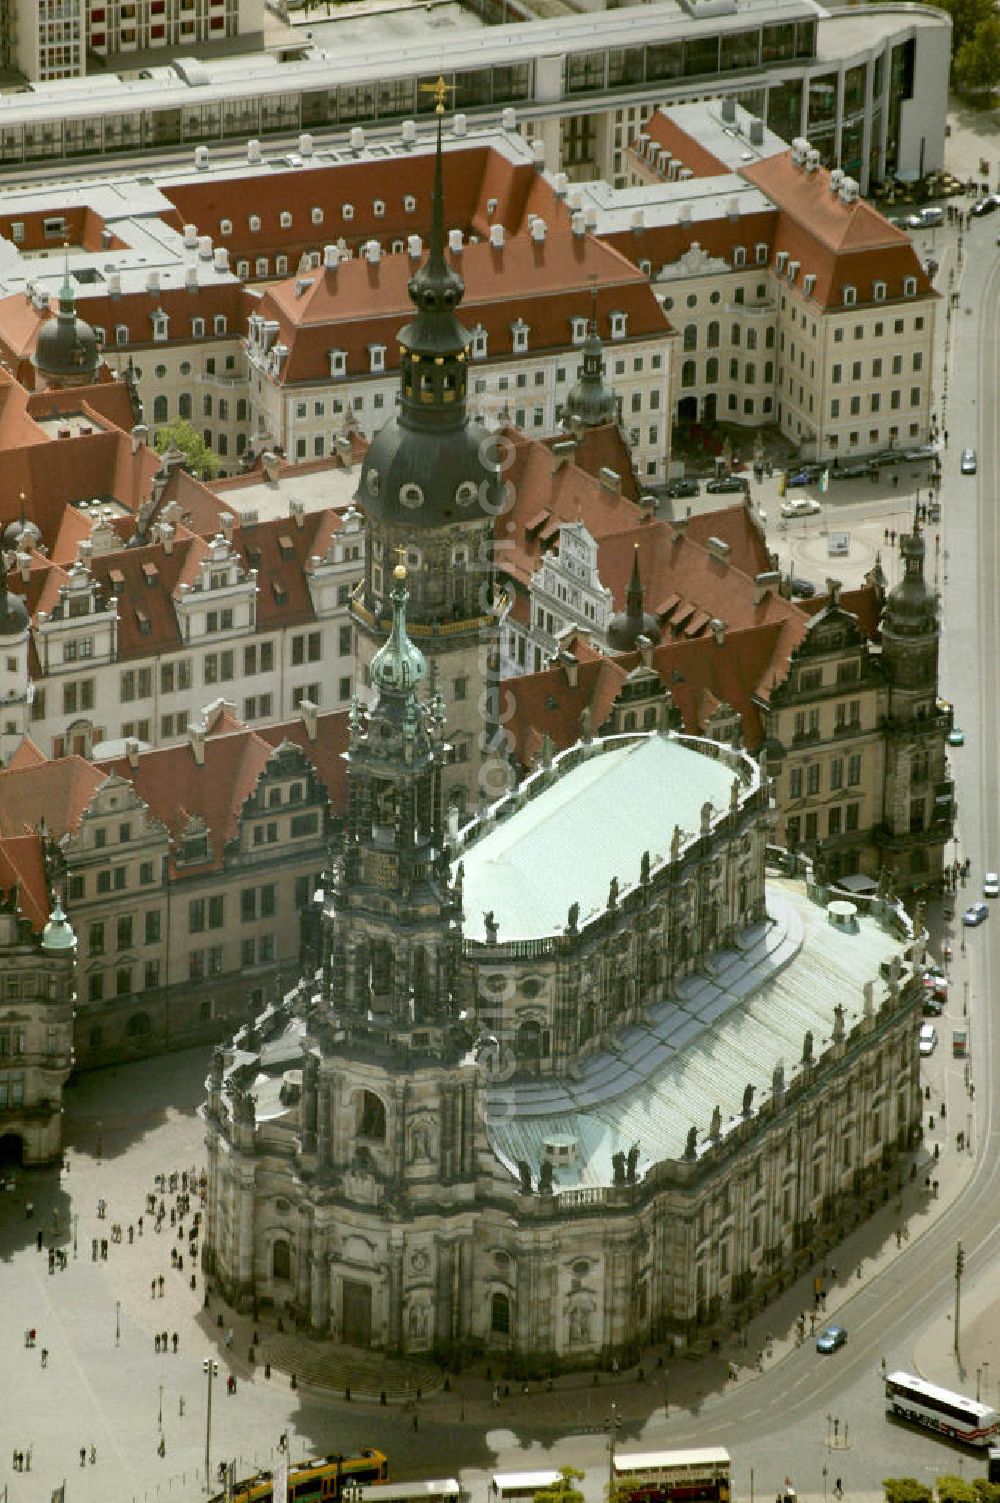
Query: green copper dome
[(58, 936), (398, 667)]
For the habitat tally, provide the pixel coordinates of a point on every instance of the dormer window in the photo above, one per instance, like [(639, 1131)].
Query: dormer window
[(793, 270), (878, 292), (519, 337), (376, 354), (619, 322), (219, 323), (579, 330), (409, 203), (909, 286), (347, 210), (378, 208), (850, 296), (285, 219), (254, 222), (197, 328), (411, 495), (121, 333), (260, 266), (225, 226), (338, 362), (316, 215), (740, 255), (281, 266), (479, 343), (760, 253), (781, 261), (160, 322)]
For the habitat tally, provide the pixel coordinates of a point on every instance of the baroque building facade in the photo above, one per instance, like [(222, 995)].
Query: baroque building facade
[(566, 1124)]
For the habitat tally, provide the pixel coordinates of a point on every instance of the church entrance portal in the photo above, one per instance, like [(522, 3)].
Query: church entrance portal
[(11, 1149), (357, 1322)]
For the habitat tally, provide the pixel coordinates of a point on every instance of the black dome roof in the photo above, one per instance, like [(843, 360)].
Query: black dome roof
[(423, 478), (14, 618), (66, 345)]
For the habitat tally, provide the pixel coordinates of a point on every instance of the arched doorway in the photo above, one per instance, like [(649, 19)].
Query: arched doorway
[(138, 1026), (711, 407), (500, 1315), (281, 1259), (687, 410), (11, 1150)]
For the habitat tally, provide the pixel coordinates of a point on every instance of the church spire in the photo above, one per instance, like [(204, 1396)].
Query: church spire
[(590, 402), (398, 667), (633, 600)]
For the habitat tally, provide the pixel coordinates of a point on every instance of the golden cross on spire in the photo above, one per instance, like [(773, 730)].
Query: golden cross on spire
[(440, 92), (400, 551)]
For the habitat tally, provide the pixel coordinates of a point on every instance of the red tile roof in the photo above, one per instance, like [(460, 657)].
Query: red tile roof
[(326, 753), (603, 447), (22, 865), (668, 134), (57, 792), (548, 283)]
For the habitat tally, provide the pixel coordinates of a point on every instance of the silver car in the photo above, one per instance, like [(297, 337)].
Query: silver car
[(968, 462)]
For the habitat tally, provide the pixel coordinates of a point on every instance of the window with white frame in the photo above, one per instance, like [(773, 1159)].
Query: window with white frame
[(479, 343), (219, 323), (579, 330), (619, 325), (338, 362), (316, 215), (760, 253), (409, 203), (281, 266), (519, 337), (878, 292), (225, 226), (347, 210), (243, 269), (254, 222), (739, 255), (378, 208), (160, 322), (197, 328), (376, 354), (285, 219), (260, 266), (850, 296), (909, 286)]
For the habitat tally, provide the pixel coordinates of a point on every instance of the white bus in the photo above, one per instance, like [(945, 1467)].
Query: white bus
[(424, 1490), (938, 1409), (519, 1484), (682, 1475)]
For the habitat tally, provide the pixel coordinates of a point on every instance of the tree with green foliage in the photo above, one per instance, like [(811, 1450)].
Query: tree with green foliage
[(966, 15), (906, 1490), (977, 61), (201, 460), (951, 1489), (564, 1490), (986, 1492)]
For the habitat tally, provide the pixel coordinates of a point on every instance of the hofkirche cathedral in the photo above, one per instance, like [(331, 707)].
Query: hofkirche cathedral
[(582, 1072)]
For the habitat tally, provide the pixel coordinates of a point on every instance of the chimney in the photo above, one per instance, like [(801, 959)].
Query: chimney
[(196, 736), (310, 717), (610, 480), (560, 184), (191, 278), (455, 241), (538, 153), (538, 231), (190, 237), (409, 132), (201, 158), (152, 281), (253, 151), (24, 568), (508, 119), (578, 223), (140, 435), (357, 138), (132, 752), (205, 247), (833, 589), (766, 584), (167, 537), (221, 258), (645, 647), (305, 144), (719, 548), (590, 217), (718, 629), (297, 511), (269, 464), (460, 124), (729, 110), (331, 257), (638, 220), (571, 668), (756, 132), (414, 247), (226, 525), (496, 236)]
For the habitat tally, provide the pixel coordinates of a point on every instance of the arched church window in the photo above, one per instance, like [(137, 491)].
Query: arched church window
[(371, 1117), (281, 1259), (529, 1040), (500, 1315)]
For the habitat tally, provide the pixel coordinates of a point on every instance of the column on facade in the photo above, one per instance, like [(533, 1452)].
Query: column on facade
[(394, 1293), (444, 1285), (245, 1231), (319, 1305)]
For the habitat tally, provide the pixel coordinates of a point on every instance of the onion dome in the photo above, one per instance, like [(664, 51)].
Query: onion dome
[(629, 625), (911, 609), (590, 402), (66, 349), (398, 667), (57, 936), (14, 618)]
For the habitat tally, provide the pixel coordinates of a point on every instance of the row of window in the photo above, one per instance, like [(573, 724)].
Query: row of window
[(811, 782), (842, 819), (896, 367), (185, 408), (161, 325), (126, 929), (736, 336), (875, 402)]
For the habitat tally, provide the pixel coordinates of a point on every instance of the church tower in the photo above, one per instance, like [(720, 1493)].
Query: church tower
[(918, 810), (430, 493)]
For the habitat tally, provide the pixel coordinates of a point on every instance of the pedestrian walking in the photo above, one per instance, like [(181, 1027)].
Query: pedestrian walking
[(93, 1455), (83, 1455), (139, 1224), (45, 1356), (131, 1234), (180, 1406), (104, 1249), (161, 1449), (156, 1342), (164, 1341), (152, 1288), (175, 1338), (160, 1282), (229, 1339), (38, 1241)]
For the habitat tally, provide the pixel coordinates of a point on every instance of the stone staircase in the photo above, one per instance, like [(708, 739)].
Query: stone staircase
[(368, 1374)]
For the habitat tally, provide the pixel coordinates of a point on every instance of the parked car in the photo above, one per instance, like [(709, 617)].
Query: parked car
[(975, 914), (930, 1008), (723, 484), (968, 462), (936, 985), (986, 205), (926, 218), (801, 587), (922, 451), (850, 472), (991, 885), (928, 1039), (800, 506), (956, 737), (801, 477), (830, 1339), (887, 456), (683, 486)]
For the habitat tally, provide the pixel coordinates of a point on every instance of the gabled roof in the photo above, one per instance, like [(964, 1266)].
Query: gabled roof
[(603, 447), (144, 581), (688, 152), (57, 792), (22, 865), (325, 752), (280, 550)]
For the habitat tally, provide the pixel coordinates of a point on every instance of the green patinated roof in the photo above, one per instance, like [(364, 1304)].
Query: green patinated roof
[(726, 1028), (592, 824)]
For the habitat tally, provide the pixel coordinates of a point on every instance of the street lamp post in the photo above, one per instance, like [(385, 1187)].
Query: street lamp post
[(613, 1424), (211, 1370), (76, 1222), (159, 1412), (118, 1323)]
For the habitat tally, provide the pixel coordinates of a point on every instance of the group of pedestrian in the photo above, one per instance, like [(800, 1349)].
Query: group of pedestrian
[(93, 1455), (22, 1460), (57, 1259), (161, 1343)]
